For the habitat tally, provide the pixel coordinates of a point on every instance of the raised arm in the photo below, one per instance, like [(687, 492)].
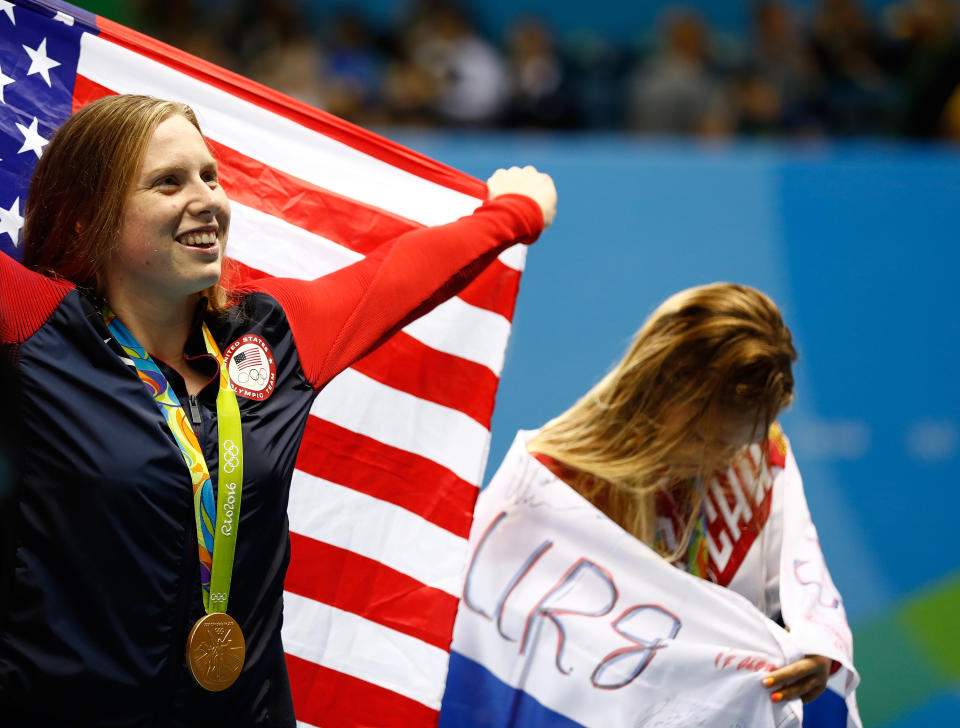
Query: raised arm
[(340, 317)]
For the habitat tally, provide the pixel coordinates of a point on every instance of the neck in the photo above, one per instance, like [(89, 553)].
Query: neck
[(161, 327)]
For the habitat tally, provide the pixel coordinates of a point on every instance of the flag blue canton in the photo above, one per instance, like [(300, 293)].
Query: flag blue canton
[(39, 50)]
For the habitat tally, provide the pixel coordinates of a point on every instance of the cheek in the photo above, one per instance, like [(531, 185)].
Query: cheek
[(141, 238), (223, 217), (156, 221)]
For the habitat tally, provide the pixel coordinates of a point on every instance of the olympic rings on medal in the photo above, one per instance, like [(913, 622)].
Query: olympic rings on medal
[(231, 455)]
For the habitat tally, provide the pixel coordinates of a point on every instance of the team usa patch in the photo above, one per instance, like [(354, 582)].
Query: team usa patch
[(252, 369)]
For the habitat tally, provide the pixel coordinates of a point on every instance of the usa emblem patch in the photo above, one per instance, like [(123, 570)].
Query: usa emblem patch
[(252, 369)]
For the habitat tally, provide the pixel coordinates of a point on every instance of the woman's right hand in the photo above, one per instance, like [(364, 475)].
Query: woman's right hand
[(529, 182), (805, 679)]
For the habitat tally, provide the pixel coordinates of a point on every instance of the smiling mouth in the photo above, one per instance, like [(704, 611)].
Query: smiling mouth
[(205, 239)]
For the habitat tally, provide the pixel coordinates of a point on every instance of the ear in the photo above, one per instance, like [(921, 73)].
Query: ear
[(79, 227)]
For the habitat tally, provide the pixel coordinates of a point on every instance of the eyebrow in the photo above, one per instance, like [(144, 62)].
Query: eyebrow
[(167, 169)]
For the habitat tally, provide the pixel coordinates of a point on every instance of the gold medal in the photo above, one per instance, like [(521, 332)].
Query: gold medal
[(215, 651)]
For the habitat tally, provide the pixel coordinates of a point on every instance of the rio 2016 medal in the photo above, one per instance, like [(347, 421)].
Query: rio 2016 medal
[(215, 651)]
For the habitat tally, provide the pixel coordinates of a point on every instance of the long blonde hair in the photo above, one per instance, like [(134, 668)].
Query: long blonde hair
[(704, 354), (79, 188)]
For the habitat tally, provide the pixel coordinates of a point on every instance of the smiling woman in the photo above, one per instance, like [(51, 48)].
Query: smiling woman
[(71, 230), (153, 463), (175, 216)]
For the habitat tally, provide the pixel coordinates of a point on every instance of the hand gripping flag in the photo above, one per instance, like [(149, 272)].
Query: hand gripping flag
[(568, 621), (382, 499)]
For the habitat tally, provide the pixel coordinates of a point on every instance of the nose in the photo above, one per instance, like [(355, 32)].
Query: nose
[(207, 201)]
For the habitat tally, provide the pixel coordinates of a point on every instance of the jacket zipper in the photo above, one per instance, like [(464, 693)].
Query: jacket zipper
[(195, 416), (183, 606)]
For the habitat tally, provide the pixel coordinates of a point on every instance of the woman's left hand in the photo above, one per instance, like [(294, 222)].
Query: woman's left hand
[(805, 679), (526, 181)]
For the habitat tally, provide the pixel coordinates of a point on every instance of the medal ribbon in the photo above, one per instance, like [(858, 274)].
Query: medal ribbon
[(216, 534), (697, 556)]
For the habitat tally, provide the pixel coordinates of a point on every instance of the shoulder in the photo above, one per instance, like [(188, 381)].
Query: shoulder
[(27, 299)]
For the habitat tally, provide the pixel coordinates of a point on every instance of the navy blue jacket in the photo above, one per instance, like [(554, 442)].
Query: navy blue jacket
[(102, 582)]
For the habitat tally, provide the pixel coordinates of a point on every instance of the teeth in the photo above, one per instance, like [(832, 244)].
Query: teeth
[(204, 238)]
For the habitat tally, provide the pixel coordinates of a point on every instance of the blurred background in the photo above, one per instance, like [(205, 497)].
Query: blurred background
[(806, 148)]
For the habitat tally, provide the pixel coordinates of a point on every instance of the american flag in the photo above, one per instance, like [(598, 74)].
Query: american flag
[(247, 359), (382, 500)]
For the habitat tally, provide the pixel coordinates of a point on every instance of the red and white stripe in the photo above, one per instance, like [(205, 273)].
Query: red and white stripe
[(378, 552)]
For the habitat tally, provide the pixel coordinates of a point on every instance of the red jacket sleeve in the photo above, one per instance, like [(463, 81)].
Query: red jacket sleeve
[(26, 300), (340, 317)]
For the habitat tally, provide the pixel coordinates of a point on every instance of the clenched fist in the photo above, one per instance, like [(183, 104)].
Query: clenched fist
[(529, 182)]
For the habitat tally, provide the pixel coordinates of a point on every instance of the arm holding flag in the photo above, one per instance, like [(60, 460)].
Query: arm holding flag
[(84, 405), (300, 182), (340, 317)]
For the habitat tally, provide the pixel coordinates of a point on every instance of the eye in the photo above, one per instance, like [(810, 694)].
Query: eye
[(211, 177), (167, 180)]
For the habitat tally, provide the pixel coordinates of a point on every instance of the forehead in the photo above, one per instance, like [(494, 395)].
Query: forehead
[(175, 141)]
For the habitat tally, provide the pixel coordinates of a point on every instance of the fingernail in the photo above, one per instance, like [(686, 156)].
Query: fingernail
[(776, 697), (767, 682)]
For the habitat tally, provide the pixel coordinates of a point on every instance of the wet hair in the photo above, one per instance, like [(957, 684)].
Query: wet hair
[(705, 354), (77, 193)]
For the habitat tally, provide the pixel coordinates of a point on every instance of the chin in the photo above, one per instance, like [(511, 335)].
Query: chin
[(201, 285), (211, 275)]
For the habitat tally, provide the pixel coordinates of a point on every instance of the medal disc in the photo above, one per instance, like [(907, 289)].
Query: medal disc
[(215, 651)]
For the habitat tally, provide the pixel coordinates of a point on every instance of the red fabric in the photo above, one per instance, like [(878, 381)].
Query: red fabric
[(349, 223), (370, 589), (390, 474), (338, 318), (330, 698), (454, 382), (494, 290), (562, 471), (26, 300)]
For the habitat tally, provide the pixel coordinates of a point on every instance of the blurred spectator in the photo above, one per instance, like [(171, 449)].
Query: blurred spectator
[(597, 70), (677, 90), (950, 120), (187, 25), (928, 31), (469, 76), (847, 48), (776, 88), (354, 69), (539, 86), (840, 73), (279, 51)]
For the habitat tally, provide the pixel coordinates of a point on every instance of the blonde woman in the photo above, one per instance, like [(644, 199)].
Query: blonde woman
[(678, 446)]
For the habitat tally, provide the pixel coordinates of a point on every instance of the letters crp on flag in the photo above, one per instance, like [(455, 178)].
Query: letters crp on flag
[(567, 620), (382, 500)]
